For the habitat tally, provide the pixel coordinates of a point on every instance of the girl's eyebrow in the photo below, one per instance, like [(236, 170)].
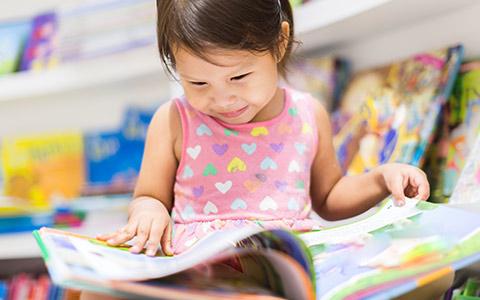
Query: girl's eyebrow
[(188, 77), (231, 74)]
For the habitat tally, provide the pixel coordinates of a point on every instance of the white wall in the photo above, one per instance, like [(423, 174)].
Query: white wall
[(12, 9)]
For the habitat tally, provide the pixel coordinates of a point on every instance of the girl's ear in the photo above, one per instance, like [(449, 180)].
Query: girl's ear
[(283, 40)]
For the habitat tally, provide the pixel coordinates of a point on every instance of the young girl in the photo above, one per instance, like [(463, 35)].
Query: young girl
[(237, 149)]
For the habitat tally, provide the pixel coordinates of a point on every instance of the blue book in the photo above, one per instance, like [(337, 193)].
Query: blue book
[(12, 40), (27, 222), (113, 158), (3, 290)]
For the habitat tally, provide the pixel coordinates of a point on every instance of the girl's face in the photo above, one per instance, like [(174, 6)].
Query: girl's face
[(233, 86)]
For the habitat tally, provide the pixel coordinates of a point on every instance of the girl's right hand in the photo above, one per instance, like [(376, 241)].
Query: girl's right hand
[(150, 223)]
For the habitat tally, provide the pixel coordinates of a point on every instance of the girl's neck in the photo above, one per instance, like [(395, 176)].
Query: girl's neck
[(272, 109)]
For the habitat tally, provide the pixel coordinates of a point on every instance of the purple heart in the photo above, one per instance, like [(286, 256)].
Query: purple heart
[(261, 177), (277, 147), (281, 185), (220, 149), (198, 191)]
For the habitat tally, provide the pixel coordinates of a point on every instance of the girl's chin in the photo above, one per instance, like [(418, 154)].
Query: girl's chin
[(236, 121)]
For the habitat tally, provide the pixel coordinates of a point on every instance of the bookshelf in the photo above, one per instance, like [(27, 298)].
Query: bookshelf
[(23, 245), (114, 69), (323, 24)]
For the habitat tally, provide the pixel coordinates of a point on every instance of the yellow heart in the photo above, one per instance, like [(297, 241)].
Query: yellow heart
[(306, 128), (284, 128), (236, 165), (257, 131), (251, 185)]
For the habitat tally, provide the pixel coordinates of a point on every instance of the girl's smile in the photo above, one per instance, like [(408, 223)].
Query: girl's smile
[(234, 113)]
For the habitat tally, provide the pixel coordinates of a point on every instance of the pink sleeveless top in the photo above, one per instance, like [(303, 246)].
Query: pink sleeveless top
[(249, 174)]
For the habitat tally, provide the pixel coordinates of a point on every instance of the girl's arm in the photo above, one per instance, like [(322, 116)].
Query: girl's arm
[(336, 197), (149, 217)]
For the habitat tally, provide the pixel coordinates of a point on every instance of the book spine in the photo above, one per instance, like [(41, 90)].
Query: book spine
[(43, 249)]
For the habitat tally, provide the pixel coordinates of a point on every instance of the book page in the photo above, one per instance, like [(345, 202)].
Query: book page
[(387, 214), (393, 251), (467, 189), (71, 254)]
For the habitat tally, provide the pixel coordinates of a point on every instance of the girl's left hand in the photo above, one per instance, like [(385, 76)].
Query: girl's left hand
[(404, 180)]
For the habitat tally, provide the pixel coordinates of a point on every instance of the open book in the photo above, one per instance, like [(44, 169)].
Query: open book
[(389, 252)]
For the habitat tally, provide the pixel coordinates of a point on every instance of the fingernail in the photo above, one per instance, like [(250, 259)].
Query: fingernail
[(111, 241), (151, 252)]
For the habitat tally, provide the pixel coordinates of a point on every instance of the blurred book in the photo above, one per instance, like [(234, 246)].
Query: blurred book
[(324, 77), (460, 126), (113, 158), (25, 223), (89, 29), (467, 189), (12, 41), (40, 48), (29, 286), (392, 111), (19, 215), (43, 168), (465, 124)]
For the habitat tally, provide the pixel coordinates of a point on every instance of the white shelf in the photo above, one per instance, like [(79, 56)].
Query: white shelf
[(23, 245), (112, 69), (327, 23)]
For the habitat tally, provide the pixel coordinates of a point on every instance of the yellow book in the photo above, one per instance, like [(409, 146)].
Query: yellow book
[(43, 167)]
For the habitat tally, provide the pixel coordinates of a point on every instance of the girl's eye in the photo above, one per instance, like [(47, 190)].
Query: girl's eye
[(240, 76), (198, 83)]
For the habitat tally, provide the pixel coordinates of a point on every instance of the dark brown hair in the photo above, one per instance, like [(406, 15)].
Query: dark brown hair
[(202, 25)]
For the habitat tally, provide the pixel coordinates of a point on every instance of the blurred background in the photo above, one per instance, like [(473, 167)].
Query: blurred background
[(80, 80)]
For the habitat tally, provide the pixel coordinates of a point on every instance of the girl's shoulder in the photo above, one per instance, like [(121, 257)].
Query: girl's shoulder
[(166, 122), (309, 103), (167, 115)]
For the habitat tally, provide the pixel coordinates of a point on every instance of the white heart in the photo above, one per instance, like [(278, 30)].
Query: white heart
[(194, 152), (293, 205), (188, 212), (268, 203), (296, 96), (210, 208), (300, 148), (238, 204), (223, 187), (293, 166), (187, 172)]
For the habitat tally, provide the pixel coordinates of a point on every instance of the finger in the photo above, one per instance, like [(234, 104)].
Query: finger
[(106, 236), (167, 240), (143, 232), (397, 186), (156, 232), (125, 234), (423, 187)]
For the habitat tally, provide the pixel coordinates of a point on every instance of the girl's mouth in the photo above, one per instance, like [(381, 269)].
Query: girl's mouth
[(235, 113)]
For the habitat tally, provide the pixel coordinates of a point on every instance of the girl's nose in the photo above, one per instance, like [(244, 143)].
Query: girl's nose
[(224, 99)]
